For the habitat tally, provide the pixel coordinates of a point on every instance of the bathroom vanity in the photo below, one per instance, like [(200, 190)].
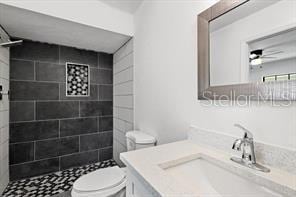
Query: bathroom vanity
[(191, 168)]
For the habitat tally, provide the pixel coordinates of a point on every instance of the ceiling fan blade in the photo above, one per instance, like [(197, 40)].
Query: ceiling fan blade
[(268, 57), (272, 53)]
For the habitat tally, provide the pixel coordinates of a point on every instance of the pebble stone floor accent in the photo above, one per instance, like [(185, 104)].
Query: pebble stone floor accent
[(51, 184)]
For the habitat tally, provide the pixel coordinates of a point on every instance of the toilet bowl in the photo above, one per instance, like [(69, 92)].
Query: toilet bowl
[(110, 182)]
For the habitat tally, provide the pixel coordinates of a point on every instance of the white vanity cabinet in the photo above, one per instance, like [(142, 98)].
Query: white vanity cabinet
[(136, 187)]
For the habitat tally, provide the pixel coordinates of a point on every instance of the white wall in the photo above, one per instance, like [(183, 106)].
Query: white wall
[(88, 12), (4, 113), (233, 35), (123, 97), (165, 81)]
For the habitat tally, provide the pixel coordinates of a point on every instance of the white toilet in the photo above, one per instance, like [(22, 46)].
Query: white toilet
[(109, 182)]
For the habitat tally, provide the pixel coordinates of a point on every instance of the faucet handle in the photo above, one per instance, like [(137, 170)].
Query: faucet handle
[(247, 133), (237, 144)]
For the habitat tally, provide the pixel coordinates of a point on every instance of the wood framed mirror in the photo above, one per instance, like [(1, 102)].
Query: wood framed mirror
[(247, 50)]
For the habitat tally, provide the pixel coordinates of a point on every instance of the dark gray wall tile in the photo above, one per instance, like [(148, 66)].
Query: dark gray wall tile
[(96, 108), (50, 72), (105, 154), (33, 168), (47, 149), (35, 51), (24, 90), (21, 111), (30, 131), (89, 142), (56, 147), (21, 69), (95, 141), (78, 126), (93, 94), (105, 124), (105, 92), (57, 110), (68, 145), (79, 159), (74, 55), (105, 139), (101, 76), (20, 153), (105, 60)]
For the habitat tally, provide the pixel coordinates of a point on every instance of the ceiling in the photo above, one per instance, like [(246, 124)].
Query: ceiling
[(129, 6), (39, 27)]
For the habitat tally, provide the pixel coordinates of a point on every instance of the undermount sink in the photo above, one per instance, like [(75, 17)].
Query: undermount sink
[(207, 179)]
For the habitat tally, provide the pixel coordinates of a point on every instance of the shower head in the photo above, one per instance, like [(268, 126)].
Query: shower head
[(11, 43)]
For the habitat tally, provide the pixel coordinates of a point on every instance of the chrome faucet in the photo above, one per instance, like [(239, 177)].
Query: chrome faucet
[(246, 144)]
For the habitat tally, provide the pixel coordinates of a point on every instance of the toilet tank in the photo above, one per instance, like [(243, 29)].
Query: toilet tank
[(137, 140)]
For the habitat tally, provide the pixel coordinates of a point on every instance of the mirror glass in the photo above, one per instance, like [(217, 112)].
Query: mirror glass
[(255, 42)]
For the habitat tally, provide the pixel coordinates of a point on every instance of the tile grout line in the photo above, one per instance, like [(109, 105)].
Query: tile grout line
[(115, 73), (79, 149), (119, 142), (36, 81), (35, 110), (123, 107), (59, 128), (59, 92), (76, 117), (122, 58), (123, 132), (34, 62), (123, 120), (5, 63), (60, 163), (98, 92), (34, 145), (57, 138), (106, 147), (116, 84)]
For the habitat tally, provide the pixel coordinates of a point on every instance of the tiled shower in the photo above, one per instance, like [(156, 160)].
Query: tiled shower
[(123, 75), (4, 111), (50, 131)]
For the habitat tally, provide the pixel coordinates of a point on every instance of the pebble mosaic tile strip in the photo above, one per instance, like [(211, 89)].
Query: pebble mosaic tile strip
[(77, 79), (51, 184)]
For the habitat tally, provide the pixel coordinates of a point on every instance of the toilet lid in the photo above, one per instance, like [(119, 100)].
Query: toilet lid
[(140, 137), (100, 179)]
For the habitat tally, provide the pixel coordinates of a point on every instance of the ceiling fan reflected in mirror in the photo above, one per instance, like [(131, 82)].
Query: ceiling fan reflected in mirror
[(256, 56)]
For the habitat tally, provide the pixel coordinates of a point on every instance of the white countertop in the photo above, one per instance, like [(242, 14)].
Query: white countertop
[(146, 162)]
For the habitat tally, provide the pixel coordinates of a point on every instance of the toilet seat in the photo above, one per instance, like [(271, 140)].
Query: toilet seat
[(100, 183)]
